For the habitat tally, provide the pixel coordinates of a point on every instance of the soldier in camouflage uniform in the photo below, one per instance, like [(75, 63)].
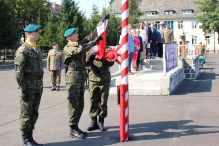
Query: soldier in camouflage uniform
[(99, 82), (29, 75), (75, 58)]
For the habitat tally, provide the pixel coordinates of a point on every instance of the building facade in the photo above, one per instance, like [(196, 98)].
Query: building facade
[(180, 14)]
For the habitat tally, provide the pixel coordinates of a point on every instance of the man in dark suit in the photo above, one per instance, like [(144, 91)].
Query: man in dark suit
[(140, 51), (148, 32), (153, 41)]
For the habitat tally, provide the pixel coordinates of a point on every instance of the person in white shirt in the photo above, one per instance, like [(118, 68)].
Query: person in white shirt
[(144, 36)]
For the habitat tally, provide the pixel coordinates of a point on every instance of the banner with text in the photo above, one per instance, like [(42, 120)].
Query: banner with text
[(170, 57)]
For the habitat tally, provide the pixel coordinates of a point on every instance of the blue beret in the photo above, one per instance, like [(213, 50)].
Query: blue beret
[(54, 43), (31, 28), (69, 32)]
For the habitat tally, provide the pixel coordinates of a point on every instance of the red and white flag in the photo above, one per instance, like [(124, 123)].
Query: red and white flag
[(99, 49)]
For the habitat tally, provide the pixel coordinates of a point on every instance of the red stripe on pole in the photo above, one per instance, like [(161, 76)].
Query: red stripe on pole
[(125, 40), (124, 58), (122, 113), (124, 72), (125, 6), (125, 22), (124, 128), (126, 87), (117, 49)]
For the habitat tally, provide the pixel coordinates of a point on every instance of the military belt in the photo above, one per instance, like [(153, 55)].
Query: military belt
[(76, 69), (32, 77)]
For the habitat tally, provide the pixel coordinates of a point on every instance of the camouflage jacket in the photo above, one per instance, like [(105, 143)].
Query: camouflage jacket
[(75, 57), (28, 67), (99, 70)]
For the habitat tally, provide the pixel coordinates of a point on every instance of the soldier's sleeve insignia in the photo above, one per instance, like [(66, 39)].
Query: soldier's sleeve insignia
[(21, 51)]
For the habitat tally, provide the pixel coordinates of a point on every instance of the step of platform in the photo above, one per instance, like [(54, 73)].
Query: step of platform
[(138, 91), (150, 82), (155, 61), (151, 67), (152, 64), (140, 79)]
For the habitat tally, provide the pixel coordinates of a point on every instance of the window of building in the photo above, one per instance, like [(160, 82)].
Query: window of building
[(208, 39), (180, 24), (151, 13), (118, 15), (158, 24), (194, 25), (168, 12), (187, 11), (194, 40), (170, 24)]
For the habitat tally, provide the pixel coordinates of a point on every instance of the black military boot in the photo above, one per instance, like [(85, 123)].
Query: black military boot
[(53, 89), (101, 124), (93, 125), (28, 140), (76, 133), (33, 141), (85, 133)]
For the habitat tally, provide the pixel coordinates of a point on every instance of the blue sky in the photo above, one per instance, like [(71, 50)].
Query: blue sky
[(86, 5)]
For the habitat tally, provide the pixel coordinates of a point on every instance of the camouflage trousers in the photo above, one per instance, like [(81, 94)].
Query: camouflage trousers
[(75, 96), (99, 92), (29, 110)]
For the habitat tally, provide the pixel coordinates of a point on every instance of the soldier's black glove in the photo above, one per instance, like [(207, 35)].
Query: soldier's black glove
[(97, 39), (105, 17), (24, 95), (92, 57)]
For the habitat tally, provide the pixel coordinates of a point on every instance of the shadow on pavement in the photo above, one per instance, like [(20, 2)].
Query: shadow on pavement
[(7, 67), (143, 131), (64, 87), (203, 83), (50, 87)]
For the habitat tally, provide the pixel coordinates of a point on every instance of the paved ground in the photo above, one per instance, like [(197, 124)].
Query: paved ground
[(188, 117)]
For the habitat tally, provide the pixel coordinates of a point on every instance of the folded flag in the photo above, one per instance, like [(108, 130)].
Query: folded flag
[(99, 49)]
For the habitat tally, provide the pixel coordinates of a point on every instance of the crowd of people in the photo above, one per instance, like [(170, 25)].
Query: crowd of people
[(146, 42)]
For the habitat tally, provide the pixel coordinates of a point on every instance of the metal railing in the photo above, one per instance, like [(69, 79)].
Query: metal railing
[(189, 49)]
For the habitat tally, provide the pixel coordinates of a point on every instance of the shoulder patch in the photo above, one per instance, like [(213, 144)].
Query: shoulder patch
[(21, 51), (67, 45)]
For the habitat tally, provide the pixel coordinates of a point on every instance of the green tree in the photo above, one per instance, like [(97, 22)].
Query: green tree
[(73, 16), (42, 17), (134, 12), (113, 28), (8, 31), (111, 1), (61, 30), (208, 15), (95, 19), (49, 33), (26, 12)]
